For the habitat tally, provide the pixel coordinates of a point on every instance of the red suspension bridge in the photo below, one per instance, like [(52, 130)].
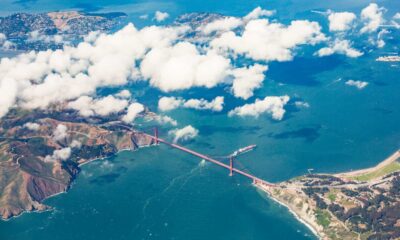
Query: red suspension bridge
[(230, 167)]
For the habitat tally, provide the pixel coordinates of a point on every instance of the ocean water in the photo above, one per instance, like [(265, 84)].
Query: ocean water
[(161, 193)]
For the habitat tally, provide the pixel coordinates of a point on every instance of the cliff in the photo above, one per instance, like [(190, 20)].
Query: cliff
[(363, 204), (40, 155)]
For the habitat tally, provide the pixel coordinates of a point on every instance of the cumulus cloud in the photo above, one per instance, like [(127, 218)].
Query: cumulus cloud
[(133, 110), (301, 104), (273, 105), (380, 43), (123, 94), (339, 47), (87, 106), (170, 103), (372, 17), (8, 94), (75, 144), (340, 21), (262, 40), (184, 134), (59, 155), (247, 79), (182, 66), (4, 43), (144, 16), (257, 13), (36, 36), (357, 84), (60, 133), (221, 25), (166, 120), (47, 77), (160, 16), (32, 126), (215, 105)]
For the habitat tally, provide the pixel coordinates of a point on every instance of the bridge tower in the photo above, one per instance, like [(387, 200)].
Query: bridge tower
[(156, 135), (231, 166)]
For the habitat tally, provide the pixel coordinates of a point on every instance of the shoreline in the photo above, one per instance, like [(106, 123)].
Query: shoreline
[(388, 160), (49, 208), (293, 212), (320, 234)]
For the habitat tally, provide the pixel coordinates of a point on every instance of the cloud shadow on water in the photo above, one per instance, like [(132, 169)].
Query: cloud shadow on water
[(302, 71), (87, 7), (309, 134), (207, 130), (24, 2), (105, 179)]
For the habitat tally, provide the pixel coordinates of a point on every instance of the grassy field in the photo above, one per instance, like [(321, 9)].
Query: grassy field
[(392, 167), (323, 218)]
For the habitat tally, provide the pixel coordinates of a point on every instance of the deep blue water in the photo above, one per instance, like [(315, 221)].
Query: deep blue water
[(160, 193)]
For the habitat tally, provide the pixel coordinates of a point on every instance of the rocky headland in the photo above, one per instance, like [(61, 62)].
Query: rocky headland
[(363, 204), (41, 153)]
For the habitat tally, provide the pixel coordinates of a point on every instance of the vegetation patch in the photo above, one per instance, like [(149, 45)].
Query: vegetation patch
[(323, 217), (390, 168)]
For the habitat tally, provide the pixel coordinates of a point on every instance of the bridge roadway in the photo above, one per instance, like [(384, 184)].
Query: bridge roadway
[(255, 179)]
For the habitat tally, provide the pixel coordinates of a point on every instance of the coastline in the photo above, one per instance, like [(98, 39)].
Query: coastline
[(393, 157), (49, 208), (292, 211), (309, 219)]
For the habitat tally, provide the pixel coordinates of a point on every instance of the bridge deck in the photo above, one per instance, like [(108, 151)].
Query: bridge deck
[(248, 175)]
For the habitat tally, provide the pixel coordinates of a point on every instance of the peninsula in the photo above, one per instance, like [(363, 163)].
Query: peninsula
[(41, 152), (363, 204)]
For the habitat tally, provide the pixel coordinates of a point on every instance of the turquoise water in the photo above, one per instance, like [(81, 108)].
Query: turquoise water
[(160, 193)]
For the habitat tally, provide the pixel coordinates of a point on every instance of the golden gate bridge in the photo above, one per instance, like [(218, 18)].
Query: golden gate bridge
[(230, 167)]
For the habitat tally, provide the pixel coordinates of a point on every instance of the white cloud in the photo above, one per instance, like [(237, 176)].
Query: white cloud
[(133, 110), (341, 21), (75, 144), (257, 13), (215, 105), (221, 25), (8, 94), (7, 45), (60, 133), (372, 16), (160, 16), (144, 16), (166, 120), (88, 106), (182, 67), (46, 77), (247, 79), (124, 94), (32, 126), (184, 134), (170, 103), (357, 84), (272, 105), (59, 155), (4, 43), (35, 36), (91, 37), (380, 43), (339, 47), (262, 40), (301, 104)]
